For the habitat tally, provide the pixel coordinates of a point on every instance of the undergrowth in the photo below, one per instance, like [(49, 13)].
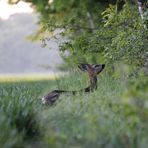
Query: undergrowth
[(115, 115)]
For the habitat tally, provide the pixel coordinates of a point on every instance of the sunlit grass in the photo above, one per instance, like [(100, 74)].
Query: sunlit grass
[(28, 77)]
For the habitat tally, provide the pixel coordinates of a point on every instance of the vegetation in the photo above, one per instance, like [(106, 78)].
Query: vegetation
[(116, 114)]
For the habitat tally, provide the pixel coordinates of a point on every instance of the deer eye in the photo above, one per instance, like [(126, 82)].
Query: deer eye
[(84, 67)]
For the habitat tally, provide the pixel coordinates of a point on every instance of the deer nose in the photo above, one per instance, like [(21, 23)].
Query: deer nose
[(103, 65)]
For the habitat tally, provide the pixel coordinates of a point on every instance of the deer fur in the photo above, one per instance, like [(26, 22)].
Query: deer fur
[(92, 70)]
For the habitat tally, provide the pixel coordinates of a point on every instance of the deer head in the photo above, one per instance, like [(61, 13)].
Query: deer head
[(93, 70)]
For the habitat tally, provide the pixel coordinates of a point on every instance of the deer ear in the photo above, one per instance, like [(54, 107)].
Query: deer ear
[(98, 68), (83, 67)]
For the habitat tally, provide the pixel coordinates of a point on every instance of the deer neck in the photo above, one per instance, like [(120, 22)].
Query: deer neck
[(93, 84)]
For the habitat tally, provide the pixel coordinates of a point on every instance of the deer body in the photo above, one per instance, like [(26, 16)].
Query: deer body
[(93, 71)]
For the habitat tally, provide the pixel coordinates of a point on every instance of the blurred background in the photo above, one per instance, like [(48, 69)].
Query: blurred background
[(18, 54)]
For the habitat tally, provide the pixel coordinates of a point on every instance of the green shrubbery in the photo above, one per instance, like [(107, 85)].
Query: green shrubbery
[(123, 39)]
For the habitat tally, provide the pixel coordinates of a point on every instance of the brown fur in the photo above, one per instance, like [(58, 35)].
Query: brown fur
[(93, 71)]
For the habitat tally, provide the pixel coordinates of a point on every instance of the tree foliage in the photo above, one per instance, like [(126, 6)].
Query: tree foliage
[(95, 30)]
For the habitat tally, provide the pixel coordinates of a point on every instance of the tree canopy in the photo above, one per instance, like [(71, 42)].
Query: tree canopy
[(96, 30)]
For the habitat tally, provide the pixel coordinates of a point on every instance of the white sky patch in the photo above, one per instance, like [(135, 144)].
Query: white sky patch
[(7, 10), (50, 1)]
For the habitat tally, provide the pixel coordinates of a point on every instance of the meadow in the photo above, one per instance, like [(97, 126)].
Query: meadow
[(113, 116)]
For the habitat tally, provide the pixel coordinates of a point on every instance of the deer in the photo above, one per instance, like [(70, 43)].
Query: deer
[(92, 69)]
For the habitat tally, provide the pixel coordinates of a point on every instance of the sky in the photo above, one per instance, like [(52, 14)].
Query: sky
[(7, 10)]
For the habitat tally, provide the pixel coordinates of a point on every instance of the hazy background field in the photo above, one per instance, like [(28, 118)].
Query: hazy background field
[(18, 55)]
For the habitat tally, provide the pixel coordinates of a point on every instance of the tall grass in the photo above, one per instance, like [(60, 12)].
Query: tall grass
[(106, 117)]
